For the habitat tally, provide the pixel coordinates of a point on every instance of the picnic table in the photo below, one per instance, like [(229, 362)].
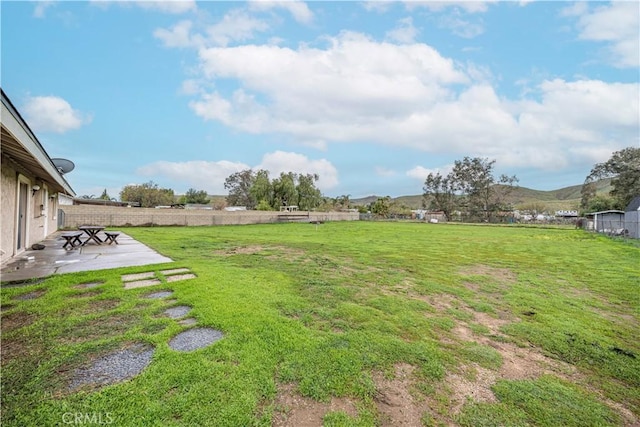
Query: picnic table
[(92, 231)]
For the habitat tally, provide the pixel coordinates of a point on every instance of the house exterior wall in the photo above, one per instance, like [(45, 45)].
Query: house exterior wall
[(113, 216), (8, 185), (40, 215), (632, 223)]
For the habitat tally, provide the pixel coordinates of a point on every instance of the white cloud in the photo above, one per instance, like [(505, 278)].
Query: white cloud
[(174, 7), (405, 32), (281, 161), (237, 25), (359, 90), (379, 6), (617, 24), (169, 6), (52, 114), (298, 9), (469, 6), (461, 27), (203, 175), (420, 173), (210, 175), (178, 36), (41, 7)]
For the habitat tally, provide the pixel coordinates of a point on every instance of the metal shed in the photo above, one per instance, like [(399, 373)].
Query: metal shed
[(610, 222), (632, 217)]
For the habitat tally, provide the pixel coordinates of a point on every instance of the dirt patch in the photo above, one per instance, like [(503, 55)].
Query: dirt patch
[(30, 295), (16, 320), (240, 250), (293, 410), (88, 294), (502, 276), (474, 382), (99, 305), (99, 328), (394, 401)]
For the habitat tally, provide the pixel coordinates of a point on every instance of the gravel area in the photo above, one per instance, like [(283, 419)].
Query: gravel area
[(113, 367), (160, 294), (177, 312), (193, 339)]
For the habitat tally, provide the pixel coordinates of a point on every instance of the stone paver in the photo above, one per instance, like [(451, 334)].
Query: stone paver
[(141, 283), (138, 276), (178, 277), (177, 312), (175, 271), (159, 295), (193, 339)]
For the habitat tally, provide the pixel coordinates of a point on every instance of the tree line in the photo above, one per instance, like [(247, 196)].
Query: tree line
[(255, 190), (470, 190)]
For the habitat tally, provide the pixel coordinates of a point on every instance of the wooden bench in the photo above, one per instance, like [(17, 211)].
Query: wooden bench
[(112, 237), (72, 239)]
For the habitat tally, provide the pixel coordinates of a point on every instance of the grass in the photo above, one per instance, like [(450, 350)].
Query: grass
[(327, 309)]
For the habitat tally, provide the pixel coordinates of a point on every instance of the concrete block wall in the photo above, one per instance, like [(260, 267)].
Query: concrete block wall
[(113, 216)]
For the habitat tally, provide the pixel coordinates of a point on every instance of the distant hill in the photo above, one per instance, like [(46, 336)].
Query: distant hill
[(566, 198)]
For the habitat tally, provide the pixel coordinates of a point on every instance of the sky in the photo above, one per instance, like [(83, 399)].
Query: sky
[(370, 95)]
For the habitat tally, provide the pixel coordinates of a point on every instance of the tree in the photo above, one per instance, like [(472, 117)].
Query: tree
[(262, 191), (309, 195), (440, 193), (104, 195), (601, 203), (194, 196), (473, 176), (624, 168), (381, 207), (239, 185), (284, 190), (148, 195)]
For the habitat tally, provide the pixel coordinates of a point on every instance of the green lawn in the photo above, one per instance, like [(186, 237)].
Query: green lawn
[(353, 323)]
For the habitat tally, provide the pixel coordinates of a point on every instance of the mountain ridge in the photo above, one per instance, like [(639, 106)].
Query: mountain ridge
[(565, 198)]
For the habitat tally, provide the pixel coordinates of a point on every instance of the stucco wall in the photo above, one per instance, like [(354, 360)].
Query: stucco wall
[(8, 186), (113, 216), (41, 213)]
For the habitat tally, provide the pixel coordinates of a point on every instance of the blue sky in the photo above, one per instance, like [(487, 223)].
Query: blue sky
[(372, 96)]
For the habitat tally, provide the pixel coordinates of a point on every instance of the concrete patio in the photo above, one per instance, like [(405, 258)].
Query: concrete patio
[(53, 259)]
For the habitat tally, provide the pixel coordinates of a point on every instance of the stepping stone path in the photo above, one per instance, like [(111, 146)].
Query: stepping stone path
[(177, 312), (193, 339), (128, 362), (114, 367), (160, 294), (141, 280)]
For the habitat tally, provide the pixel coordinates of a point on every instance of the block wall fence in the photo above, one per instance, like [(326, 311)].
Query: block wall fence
[(113, 216)]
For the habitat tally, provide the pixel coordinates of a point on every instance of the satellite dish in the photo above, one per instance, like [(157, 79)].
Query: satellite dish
[(63, 165)]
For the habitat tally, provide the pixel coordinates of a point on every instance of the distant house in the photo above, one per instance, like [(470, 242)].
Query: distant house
[(31, 186), (610, 222), (632, 218)]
